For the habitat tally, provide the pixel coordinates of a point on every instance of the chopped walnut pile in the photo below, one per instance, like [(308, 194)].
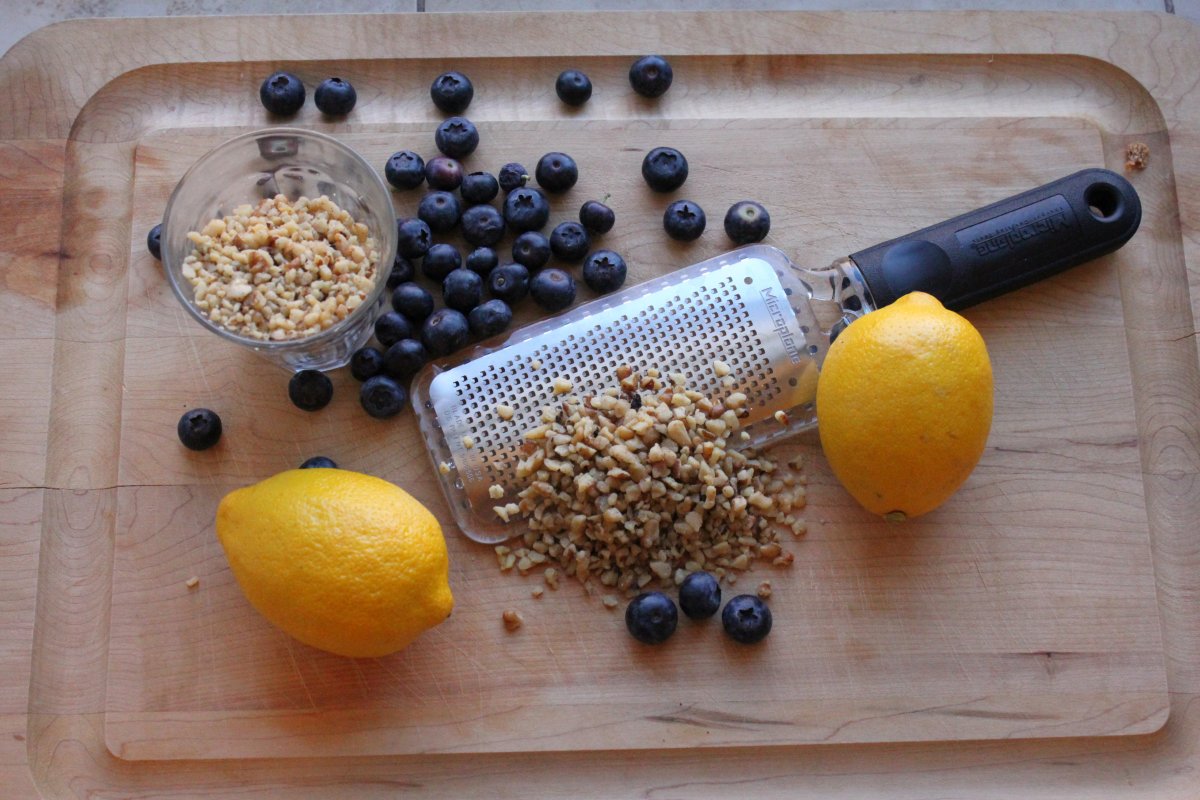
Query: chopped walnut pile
[(638, 485)]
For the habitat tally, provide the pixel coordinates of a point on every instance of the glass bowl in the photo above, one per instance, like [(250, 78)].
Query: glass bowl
[(291, 162)]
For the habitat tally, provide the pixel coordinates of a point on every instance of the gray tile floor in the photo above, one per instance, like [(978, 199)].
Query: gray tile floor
[(24, 16)]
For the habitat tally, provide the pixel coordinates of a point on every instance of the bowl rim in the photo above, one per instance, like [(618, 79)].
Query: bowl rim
[(382, 272)]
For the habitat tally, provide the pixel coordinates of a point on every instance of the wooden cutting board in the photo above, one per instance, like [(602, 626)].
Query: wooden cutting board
[(1032, 606)]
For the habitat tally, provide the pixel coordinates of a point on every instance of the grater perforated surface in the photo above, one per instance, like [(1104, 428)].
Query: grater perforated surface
[(734, 310)]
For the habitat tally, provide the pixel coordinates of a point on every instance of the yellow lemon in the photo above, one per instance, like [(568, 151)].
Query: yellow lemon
[(904, 405), (342, 561)]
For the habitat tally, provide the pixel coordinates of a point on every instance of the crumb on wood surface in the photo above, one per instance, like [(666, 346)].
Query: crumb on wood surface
[(1137, 155)]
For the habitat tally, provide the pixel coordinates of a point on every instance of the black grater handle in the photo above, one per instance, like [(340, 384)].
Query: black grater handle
[(1006, 245)]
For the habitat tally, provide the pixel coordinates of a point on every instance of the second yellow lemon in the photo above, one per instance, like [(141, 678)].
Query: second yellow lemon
[(904, 406), (342, 561)]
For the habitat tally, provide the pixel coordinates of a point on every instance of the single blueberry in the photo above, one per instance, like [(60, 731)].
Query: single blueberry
[(684, 221), (319, 462), (482, 226), (651, 76), (440, 261), (405, 358), (462, 290), (479, 187), (747, 222), (391, 327), (513, 176), (282, 93), (444, 173), (699, 595), (402, 271), (413, 301), (509, 282), (439, 210), (335, 97), (573, 87), (366, 362), (457, 137), (154, 241), (526, 209), (481, 261), (651, 617), (445, 331), (556, 172), (664, 169), (199, 429), (405, 170), (597, 217), (413, 237), (604, 271), (531, 249), (746, 619), (490, 318), (382, 397), (552, 289), (310, 390), (452, 92), (569, 241)]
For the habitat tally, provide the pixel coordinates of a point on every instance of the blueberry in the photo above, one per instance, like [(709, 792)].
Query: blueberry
[(597, 217), (556, 172), (382, 397), (684, 221), (651, 617), (552, 289), (413, 238), (405, 170), (457, 137), (531, 249), (282, 93), (411, 300), (479, 187), (482, 226), (513, 176), (440, 261), (335, 97), (481, 261), (444, 332), (462, 290), (154, 241), (367, 362), (199, 429), (526, 209), (573, 87), (509, 282), (699, 595), (439, 210), (444, 173), (404, 359), (746, 619), (664, 169), (747, 222), (310, 390), (391, 327), (651, 76), (569, 241), (402, 271), (452, 92), (490, 318), (319, 462), (604, 271)]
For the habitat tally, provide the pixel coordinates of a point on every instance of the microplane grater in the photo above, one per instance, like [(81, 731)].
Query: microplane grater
[(737, 309)]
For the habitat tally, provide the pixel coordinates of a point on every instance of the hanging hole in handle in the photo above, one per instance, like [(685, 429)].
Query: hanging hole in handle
[(1104, 201)]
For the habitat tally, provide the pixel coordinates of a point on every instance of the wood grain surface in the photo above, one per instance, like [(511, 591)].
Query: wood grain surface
[(1099, 435)]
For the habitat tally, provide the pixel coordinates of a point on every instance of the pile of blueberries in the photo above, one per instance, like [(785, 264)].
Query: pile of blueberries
[(652, 617)]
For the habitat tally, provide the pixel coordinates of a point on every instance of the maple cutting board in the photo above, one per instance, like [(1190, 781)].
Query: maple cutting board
[(1022, 623)]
